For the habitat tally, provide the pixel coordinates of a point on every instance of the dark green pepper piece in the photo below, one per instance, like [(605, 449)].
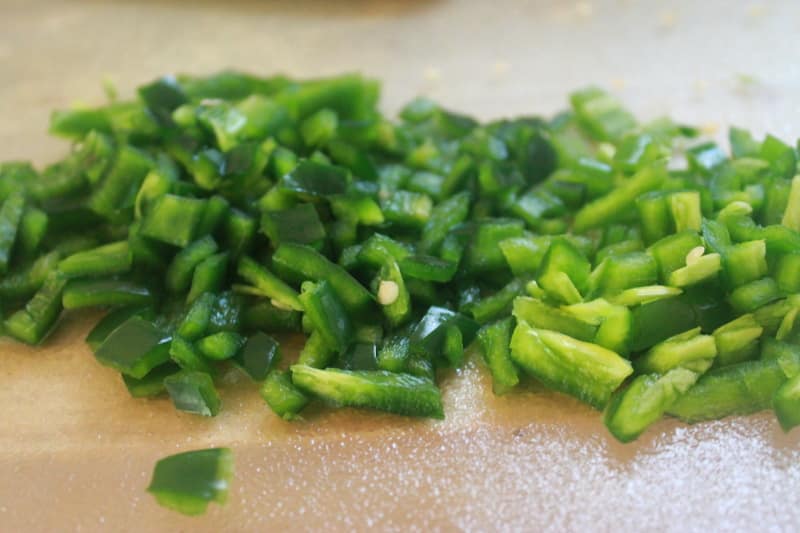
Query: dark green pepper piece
[(494, 339), (258, 355), (193, 392), (11, 214), (134, 348)]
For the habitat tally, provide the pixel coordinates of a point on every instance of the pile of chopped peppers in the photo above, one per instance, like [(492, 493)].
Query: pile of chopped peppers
[(631, 265)]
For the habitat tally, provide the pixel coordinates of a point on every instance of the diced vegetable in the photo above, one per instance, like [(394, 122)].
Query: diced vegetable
[(186, 482), (742, 388), (396, 393), (35, 320), (327, 314), (282, 396), (193, 392), (495, 339), (180, 271), (106, 260), (644, 402), (220, 346), (152, 384), (601, 256), (258, 355), (787, 403), (95, 293), (269, 285), (689, 350), (11, 213), (587, 371), (308, 264), (134, 348), (112, 321)]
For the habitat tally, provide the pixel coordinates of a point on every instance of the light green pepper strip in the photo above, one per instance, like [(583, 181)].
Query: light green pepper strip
[(737, 340), (269, 284), (401, 394), (614, 323), (610, 207), (642, 295), (106, 260), (587, 371), (689, 350), (631, 411), (696, 270), (738, 389), (787, 403), (494, 339)]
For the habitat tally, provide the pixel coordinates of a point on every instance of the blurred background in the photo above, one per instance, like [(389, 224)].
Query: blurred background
[(715, 62)]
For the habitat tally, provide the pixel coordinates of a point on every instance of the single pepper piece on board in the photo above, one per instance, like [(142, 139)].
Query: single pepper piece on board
[(186, 482)]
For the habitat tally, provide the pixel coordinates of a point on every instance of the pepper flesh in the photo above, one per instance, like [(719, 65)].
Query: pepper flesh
[(188, 481), (396, 393)]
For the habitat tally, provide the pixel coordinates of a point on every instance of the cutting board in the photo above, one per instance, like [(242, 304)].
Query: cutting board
[(76, 452)]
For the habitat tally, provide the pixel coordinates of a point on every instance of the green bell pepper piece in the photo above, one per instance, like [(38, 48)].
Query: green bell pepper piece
[(188, 481), (303, 263), (134, 348), (585, 370), (327, 314), (401, 394), (193, 392), (494, 339), (632, 410), (282, 396), (99, 293)]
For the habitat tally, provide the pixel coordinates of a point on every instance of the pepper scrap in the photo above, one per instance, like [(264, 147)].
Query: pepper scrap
[(187, 482)]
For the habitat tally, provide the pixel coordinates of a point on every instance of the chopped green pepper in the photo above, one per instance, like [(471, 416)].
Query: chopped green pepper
[(299, 224), (269, 285), (188, 481), (689, 350), (396, 393), (105, 260), (787, 403), (32, 323), (495, 339), (742, 388), (644, 401), (576, 242), (307, 264), (173, 219), (134, 348), (326, 312), (588, 371), (221, 345), (193, 392), (282, 396), (258, 355), (96, 293), (152, 384), (180, 271)]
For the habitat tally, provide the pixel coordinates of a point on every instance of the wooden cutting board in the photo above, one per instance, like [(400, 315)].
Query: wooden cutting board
[(76, 453)]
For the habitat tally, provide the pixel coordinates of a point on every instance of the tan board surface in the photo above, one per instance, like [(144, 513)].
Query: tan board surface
[(76, 452)]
